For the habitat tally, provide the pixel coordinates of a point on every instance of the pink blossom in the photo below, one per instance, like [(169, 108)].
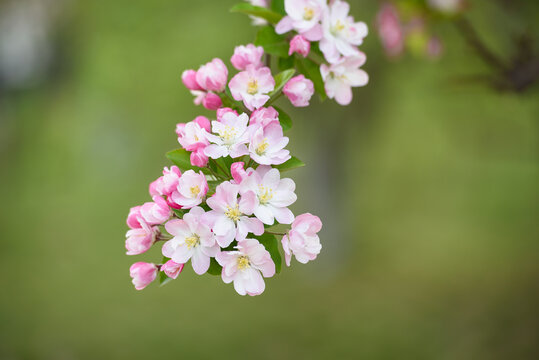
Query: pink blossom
[(303, 16), (189, 78), (199, 158), (140, 240), (192, 135), (273, 195), (212, 101), (264, 116), (232, 135), (143, 274), (299, 91), (246, 266), (172, 269), (302, 240), (266, 146), (224, 110), (299, 45), (390, 30), (191, 189), (132, 220), (247, 55), (167, 183), (212, 76), (229, 218), (339, 78), (252, 86), (238, 172), (341, 34), (156, 212), (192, 239)]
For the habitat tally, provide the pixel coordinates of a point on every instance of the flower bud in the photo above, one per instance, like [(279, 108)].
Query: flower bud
[(140, 240), (299, 91), (134, 213), (212, 76), (223, 111), (172, 269), (189, 80), (299, 45), (212, 101), (143, 274), (238, 171), (247, 55)]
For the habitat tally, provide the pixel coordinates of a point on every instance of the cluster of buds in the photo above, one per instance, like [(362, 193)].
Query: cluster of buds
[(224, 205)]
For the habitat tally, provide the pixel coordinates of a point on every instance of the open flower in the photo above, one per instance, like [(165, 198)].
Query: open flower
[(172, 269), (246, 266), (192, 135), (192, 239), (247, 55), (341, 34), (302, 240), (231, 136), (156, 212), (191, 189), (252, 86), (339, 78), (167, 183), (229, 218), (212, 76), (303, 16), (143, 274), (140, 240), (273, 195), (299, 91), (267, 145)]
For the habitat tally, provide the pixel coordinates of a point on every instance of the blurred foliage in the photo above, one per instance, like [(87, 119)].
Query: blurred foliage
[(427, 189)]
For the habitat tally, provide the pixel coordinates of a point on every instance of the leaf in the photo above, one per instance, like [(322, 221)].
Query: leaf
[(179, 212), (293, 163), (215, 268), (280, 81), (164, 279), (257, 11), (278, 6), (285, 63), (182, 159), (272, 43), (312, 71), (284, 119), (270, 243)]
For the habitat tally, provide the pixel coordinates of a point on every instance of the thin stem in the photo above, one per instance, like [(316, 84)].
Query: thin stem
[(275, 233)]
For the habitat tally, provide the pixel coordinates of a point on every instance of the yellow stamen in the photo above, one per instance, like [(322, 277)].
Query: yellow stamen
[(228, 133), (233, 213), (243, 262), (195, 190), (308, 13), (262, 147), (192, 241), (266, 194), (252, 87)]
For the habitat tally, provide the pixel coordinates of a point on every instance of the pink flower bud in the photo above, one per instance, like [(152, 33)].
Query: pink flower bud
[(299, 91), (134, 213), (299, 45), (143, 274), (140, 240), (189, 80), (264, 116), (172, 269), (302, 240), (156, 212), (203, 122), (390, 30), (198, 158), (223, 111), (212, 76), (247, 55), (238, 171), (212, 101)]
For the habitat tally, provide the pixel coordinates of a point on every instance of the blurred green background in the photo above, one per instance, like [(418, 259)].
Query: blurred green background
[(427, 187)]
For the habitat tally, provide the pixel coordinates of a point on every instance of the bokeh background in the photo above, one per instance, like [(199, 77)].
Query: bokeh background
[(427, 187)]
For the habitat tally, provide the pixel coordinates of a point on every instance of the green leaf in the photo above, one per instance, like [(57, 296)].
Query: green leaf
[(280, 81), (164, 279), (270, 243), (257, 11), (179, 212), (312, 71), (272, 43), (278, 6), (215, 268), (284, 119), (181, 158), (293, 163), (285, 63)]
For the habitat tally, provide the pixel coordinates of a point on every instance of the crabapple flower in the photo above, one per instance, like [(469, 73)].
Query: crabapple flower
[(246, 266), (273, 195), (341, 34), (229, 218), (192, 135), (238, 172), (191, 189), (267, 145), (224, 110), (303, 16), (192, 239), (232, 135), (189, 79), (247, 55), (212, 101), (390, 30), (143, 274), (134, 214), (140, 240), (302, 240), (252, 86), (172, 269), (156, 212), (212, 76), (199, 158), (299, 45), (339, 78), (264, 116), (167, 183), (299, 91)]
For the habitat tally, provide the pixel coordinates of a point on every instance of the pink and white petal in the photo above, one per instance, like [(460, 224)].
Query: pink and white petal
[(358, 77), (216, 151), (343, 96), (264, 214), (200, 262), (248, 202), (283, 215), (285, 25)]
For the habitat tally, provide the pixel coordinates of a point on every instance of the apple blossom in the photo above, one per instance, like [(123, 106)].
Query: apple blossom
[(212, 76), (192, 135), (264, 116), (222, 111), (166, 184), (156, 212), (299, 91), (273, 195), (302, 240), (143, 274), (267, 145), (232, 135), (252, 86), (192, 239), (246, 266), (172, 269), (303, 16), (191, 189), (132, 220), (238, 172), (141, 239), (299, 45), (339, 78), (390, 30), (245, 55), (229, 218), (189, 79), (212, 101)]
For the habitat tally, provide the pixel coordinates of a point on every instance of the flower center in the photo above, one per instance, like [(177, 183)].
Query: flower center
[(195, 190), (338, 28), (264, 194), (252, 87), (243, 262), (262, 147), (233, 213), (308, 13), (228, 134), (192, 241)]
